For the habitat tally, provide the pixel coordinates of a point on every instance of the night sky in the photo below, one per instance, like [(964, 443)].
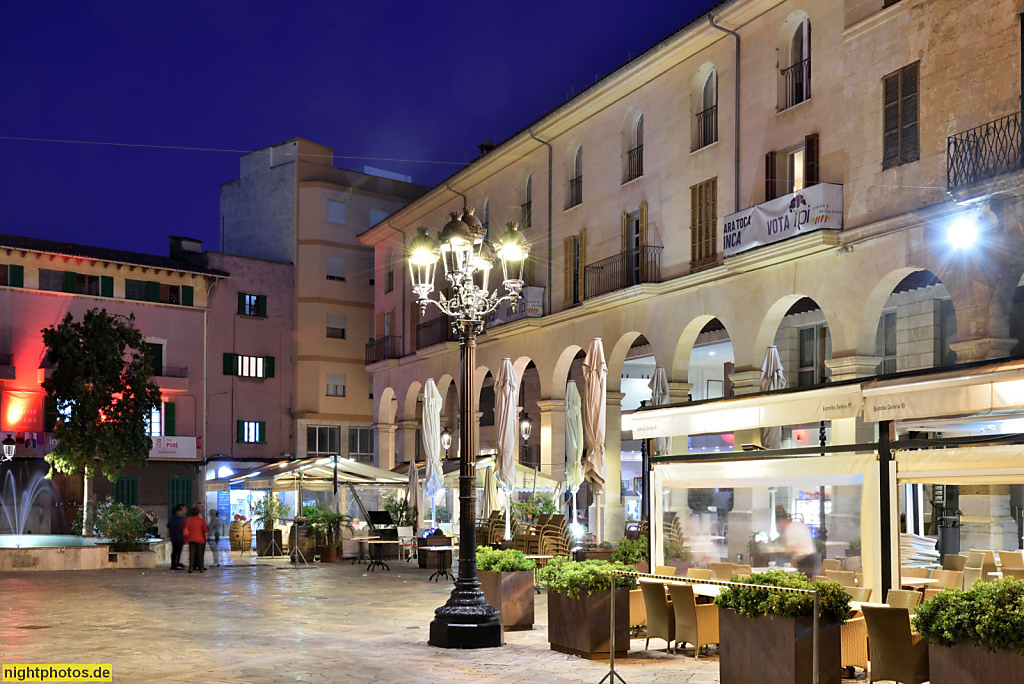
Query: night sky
[(422, 81)]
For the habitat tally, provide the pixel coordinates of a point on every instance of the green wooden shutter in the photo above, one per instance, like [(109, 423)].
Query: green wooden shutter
[(126, 491), (261, 432), (70, 282), (261, 305), (891, 120), (910, 149), (268, 366), (240, 431), (241, 303), (153, 291), (16, 276), (179, 491), (106, 286), (230, 364), (169, 416), (187, 295)]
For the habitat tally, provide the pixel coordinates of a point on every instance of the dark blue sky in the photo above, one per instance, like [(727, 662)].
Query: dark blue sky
[(425, 81)]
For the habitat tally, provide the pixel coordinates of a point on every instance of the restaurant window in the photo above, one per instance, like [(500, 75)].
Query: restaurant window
[(900, 143), (126, 491), (335, 327), (252, 305), (885, 342), (323, 440), (815, 346), (51, 280), (335, 384), (704, 223), (251, 431), (360, 443), (137, 290)]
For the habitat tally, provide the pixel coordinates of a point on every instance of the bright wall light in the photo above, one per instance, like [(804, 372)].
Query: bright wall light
[(224, 471), (963, 233)]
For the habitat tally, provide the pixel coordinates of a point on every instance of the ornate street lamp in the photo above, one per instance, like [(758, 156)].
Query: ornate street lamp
[(446, 440), (9, 445), (525, 427), (467, 620)]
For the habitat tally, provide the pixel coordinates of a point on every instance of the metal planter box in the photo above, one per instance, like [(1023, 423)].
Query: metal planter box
[(512, 594), (965, 663), (580, 626), (776, 650)]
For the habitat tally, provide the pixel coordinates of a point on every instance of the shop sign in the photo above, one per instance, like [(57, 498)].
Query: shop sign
[(819, 207), (173, 449), (21, 411)]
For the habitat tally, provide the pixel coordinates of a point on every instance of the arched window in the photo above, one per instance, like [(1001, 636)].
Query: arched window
[(576, 180), (635, 155), (526, 217), (796, 60), (704, 100)]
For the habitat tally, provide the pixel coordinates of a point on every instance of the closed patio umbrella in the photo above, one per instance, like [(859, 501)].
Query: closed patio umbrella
[(772, 378), (506, 396), (434, 477), (595, 373), (412, 496), (492, 498), (573, 442), (659, 397)]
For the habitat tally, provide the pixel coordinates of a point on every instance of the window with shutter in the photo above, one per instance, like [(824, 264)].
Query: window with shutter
[(70, 282), (230, 364), (106, 286), (170, 414), (581, 264), (704, 223), (16, 276), (261, 305), (187, 295), (268, 366), (811, 160), (900, 134), (126, 491), (770, 177)]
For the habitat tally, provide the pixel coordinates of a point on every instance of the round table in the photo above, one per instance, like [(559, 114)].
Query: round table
[(377, 559), (442, 566), (359, 544)]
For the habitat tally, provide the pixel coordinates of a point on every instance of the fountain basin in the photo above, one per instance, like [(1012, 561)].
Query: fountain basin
[(52, 552)]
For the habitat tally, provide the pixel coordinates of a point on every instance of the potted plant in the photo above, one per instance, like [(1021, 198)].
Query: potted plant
[(757, 548), (635, 552), (529, 510), (266, 512), (677, 555), (579, 605), (766, 634), (328, 526), (853, 548), (975, 635), (506, 578), (126, 530)]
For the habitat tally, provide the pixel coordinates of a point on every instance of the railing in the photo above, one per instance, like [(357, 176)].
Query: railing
[(382, 349), (629, 268), (576, 191), (527, 214), (635, 163), (798, 82), (6, 359), (707, 127), (171, 372), (984, 152), (434, 332)]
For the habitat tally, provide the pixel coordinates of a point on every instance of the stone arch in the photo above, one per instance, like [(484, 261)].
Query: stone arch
[(412, 394), (387, 406), (443, 384), (560, 375), (703, 94), (678, 371), (873, 306), (615, 356), (699, 366), (481, 374), (772, 320)]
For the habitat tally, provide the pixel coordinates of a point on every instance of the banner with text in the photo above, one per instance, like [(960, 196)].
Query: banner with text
[(819, 207), (174, 449)]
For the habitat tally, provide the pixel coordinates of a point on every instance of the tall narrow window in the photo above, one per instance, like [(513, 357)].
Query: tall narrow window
[(153, 423), (527, 208), (706, 126), (814, 348), (704, 223), (885, 342), (576, 180), (251, 431), (485, 216), (389, 271), (796, 74), (635, 155), (900, 143), (574, 268)]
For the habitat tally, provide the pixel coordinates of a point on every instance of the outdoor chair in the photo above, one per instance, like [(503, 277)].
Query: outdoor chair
[(665, 570), (1011, 559), (895, 652), (722, 571), (853, 649), (820, 578), (988, 564), (406, 543), (946, 579), (660, 624), (831, 564), (694, 624), (973, 568), (953, 561), (698, 573), (742, 569), (861, 594), (842, 576), (1015, 573), (913, 572), (903, 598), (858, 577)]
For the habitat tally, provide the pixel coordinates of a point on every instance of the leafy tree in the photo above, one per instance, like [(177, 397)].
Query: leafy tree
[(101, 385)]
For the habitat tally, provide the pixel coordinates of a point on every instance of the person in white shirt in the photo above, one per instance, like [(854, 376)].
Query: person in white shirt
[(796, 537)]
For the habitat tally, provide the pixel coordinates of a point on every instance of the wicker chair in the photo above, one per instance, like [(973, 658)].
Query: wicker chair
[(913, 572), (723, 571), (698, 573), (742, 569), (895, 652), (861, 594), (947, 579), (988, 564), (694, 624), (902, 598), (973, 568), (1011, 559), (831, 564), (845, 578), (1015, 573), (660, 624), (954, 561), (665, 570), (853, 635)]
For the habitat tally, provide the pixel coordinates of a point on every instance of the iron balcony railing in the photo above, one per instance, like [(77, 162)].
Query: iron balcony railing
[(382, 348), (798, 82), (984, 152), (527, 214), (707, 127), (632, 267), (635, 163), (171, 372), (576, 191), (434, 332)]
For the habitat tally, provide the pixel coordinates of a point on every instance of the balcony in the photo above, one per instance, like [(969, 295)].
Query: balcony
[(632, 267), (634, 163), (382, 349), (530, 305), (575, 192), (437, 331), (707, 127), (171, 372), (797, 79), (171, 379), (984, 152)]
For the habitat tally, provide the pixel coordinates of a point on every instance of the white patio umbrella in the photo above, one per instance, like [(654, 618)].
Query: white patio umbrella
[(772, 378), (595, 373), (412, 496), (506, 396), (660, 397), (573, 442), (434, 477), (492, 497)]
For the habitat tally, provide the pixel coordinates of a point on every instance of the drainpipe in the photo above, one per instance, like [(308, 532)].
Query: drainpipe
[(736, 117), (402, 233), (547, 145), (465, 202)]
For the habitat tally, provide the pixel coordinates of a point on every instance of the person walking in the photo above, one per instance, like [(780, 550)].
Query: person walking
[(214, 525), (196, 530), (796, 537), (176, 532)]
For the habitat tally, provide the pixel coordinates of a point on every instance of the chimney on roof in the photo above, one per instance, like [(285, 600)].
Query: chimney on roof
[(186, 249)]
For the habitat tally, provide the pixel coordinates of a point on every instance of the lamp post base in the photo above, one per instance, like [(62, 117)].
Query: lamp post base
[(466, 635)]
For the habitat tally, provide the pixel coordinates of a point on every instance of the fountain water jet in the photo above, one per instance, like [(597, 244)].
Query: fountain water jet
[(16, 512)]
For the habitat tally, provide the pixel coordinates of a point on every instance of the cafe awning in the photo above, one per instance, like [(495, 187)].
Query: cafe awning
[(314, 474), (997, 464), (526, 477)]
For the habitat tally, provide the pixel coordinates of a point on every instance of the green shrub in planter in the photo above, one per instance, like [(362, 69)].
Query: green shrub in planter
[(505, 560), (833, 599), (572, 578), (632, 551), (990, 616)]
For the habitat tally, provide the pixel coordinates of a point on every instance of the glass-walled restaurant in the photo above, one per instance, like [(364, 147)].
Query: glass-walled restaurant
[(949, 478)]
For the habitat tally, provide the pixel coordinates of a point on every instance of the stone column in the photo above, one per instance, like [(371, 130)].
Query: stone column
[(849, 367), (613, 512), (745, 382), (985, 521), (552, 437), (979, 350), (679, 392), (406, 440), (384, 444)]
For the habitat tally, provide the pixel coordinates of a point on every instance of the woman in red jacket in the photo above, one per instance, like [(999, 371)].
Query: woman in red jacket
[(196, 530)]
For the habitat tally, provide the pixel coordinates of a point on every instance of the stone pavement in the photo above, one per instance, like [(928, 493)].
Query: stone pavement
[(265, 621)]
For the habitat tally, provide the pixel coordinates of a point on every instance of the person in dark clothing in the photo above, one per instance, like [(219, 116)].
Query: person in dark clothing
[(176, 531)]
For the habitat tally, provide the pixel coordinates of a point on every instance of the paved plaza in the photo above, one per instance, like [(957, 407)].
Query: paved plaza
[(265, 621)]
